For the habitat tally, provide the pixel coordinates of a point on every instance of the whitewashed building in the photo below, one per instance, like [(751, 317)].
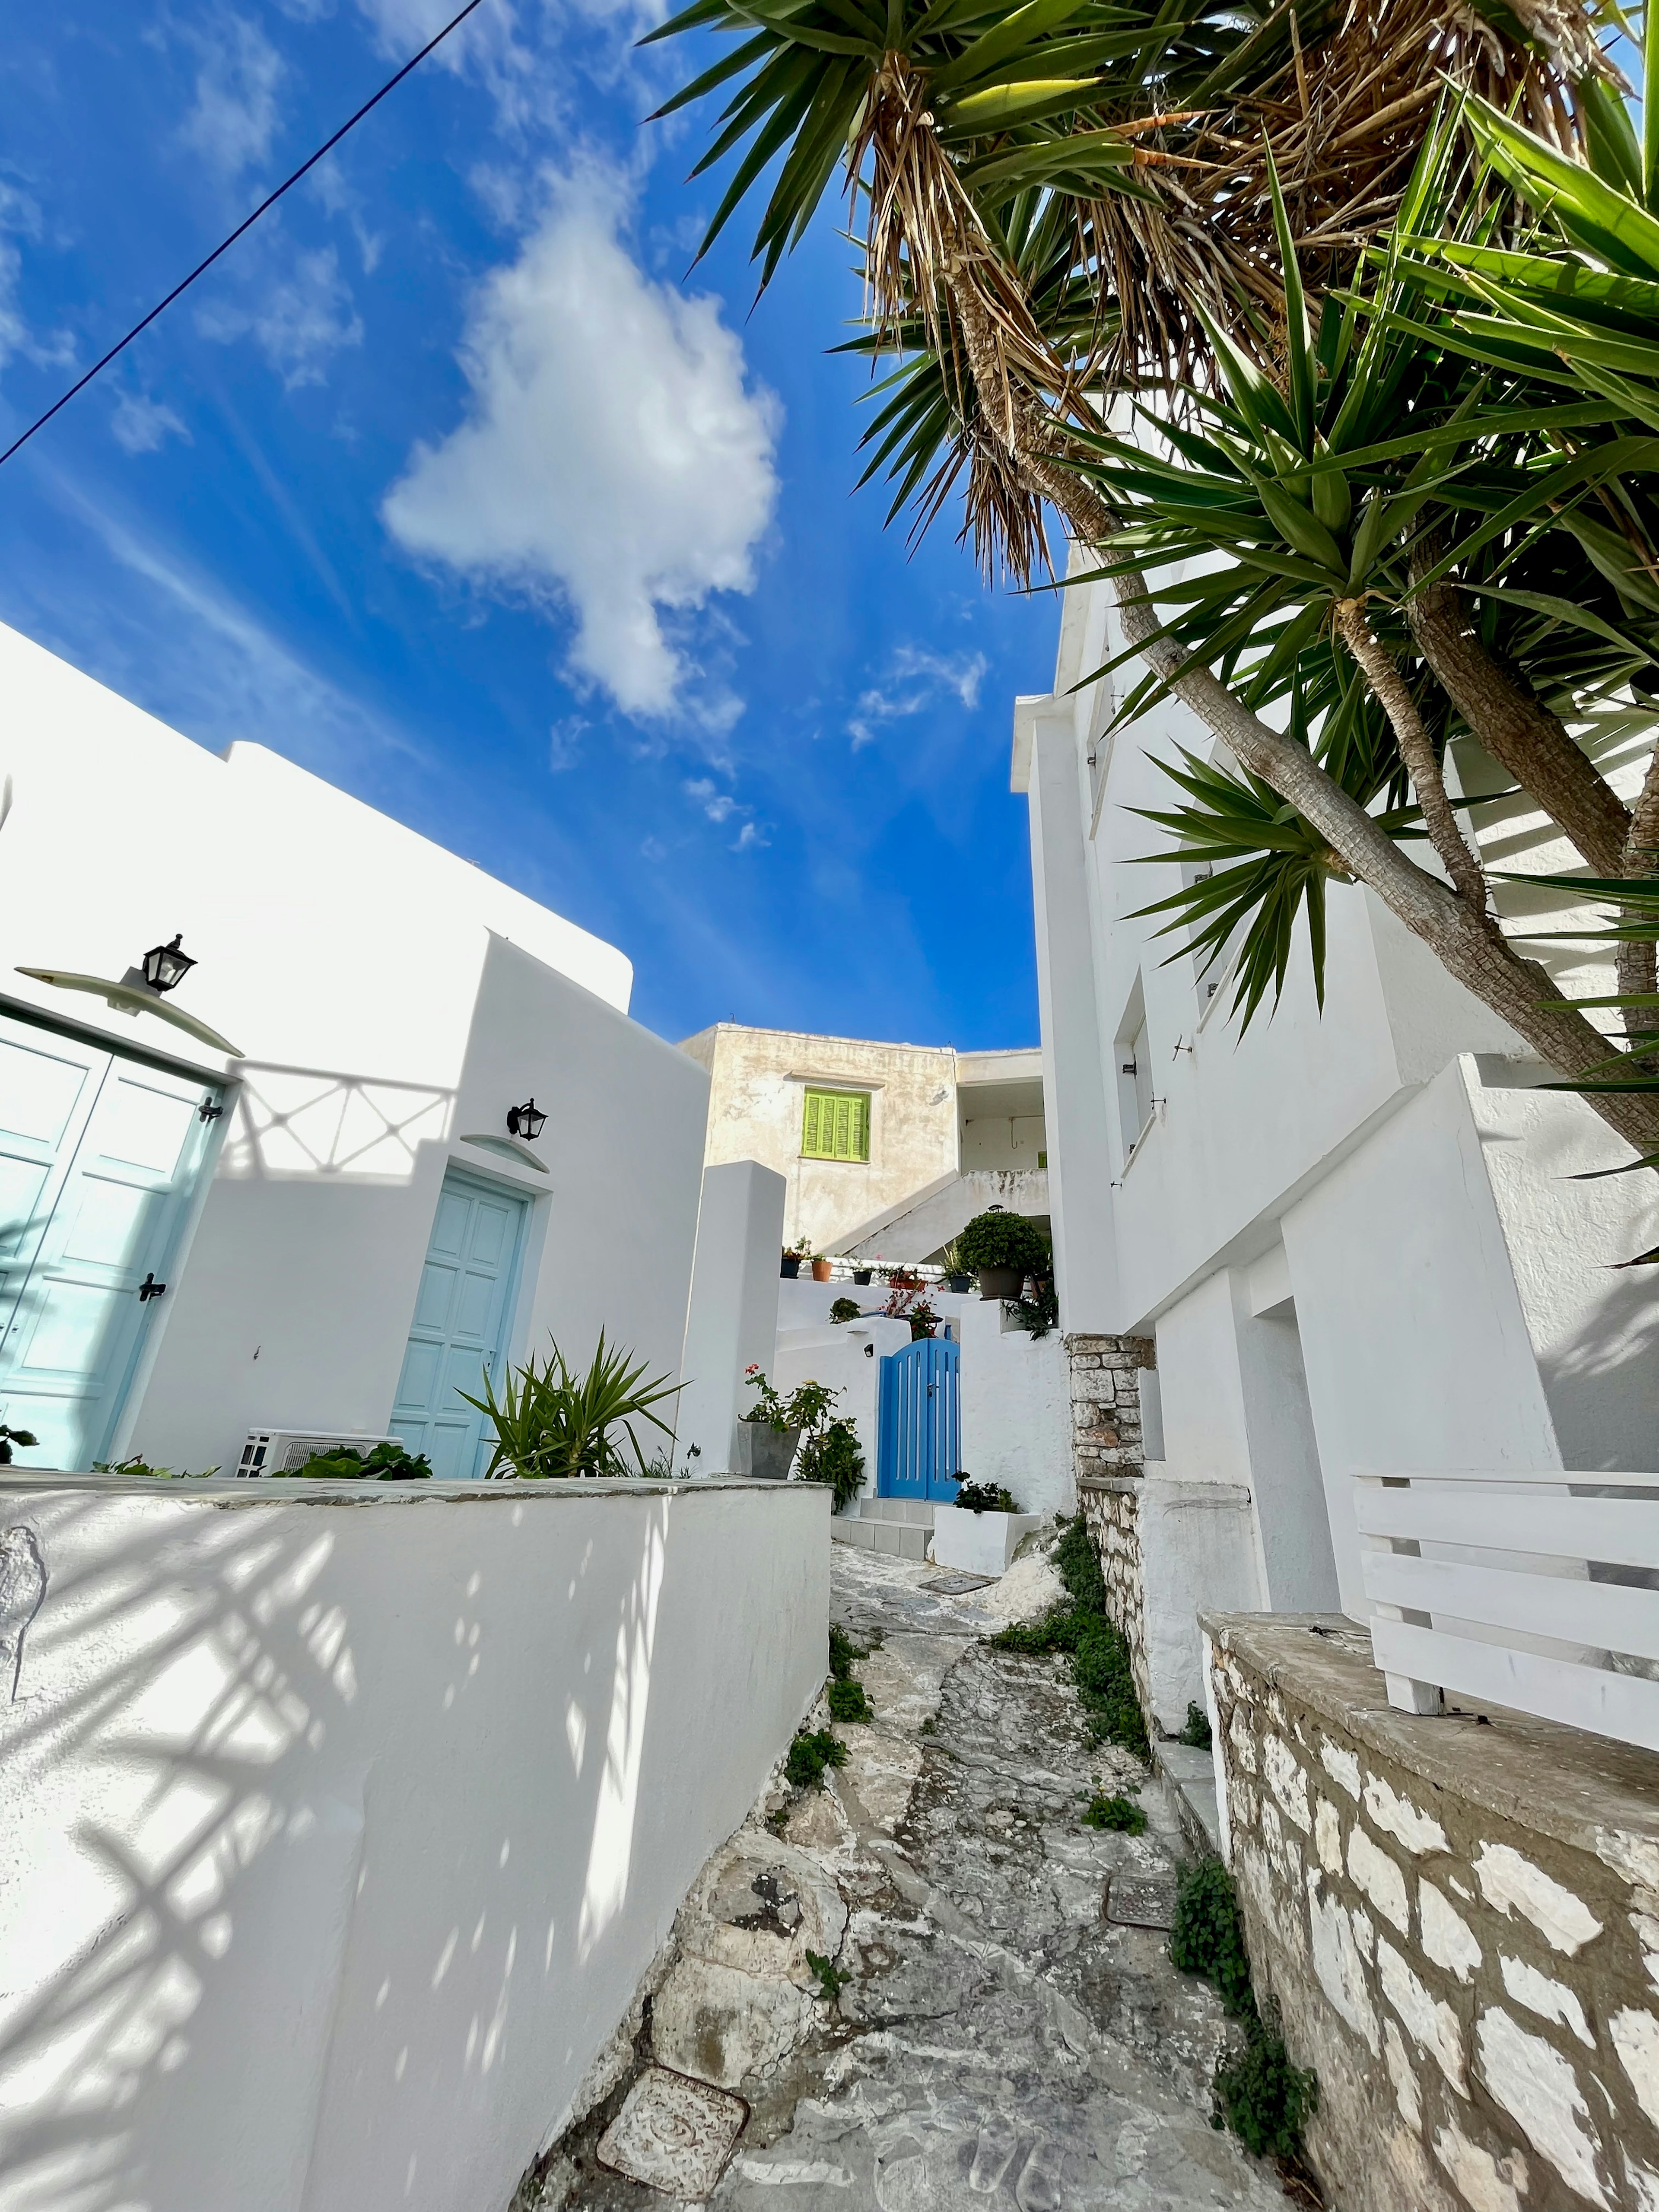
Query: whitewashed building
[(331, 1227), (1354, 1237)]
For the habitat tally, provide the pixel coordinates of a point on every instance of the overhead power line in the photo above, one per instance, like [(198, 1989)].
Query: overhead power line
[(224, 247)]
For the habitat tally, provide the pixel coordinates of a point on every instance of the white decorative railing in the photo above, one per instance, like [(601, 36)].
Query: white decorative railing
[(1537, 1591)]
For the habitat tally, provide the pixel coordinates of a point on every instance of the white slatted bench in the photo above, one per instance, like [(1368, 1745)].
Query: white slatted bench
[(1442, 1623)]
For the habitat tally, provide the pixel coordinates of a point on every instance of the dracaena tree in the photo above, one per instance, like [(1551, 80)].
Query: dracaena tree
[(1069, 199)]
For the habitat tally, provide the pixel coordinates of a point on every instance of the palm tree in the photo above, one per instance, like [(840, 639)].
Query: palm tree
[(980, 144)]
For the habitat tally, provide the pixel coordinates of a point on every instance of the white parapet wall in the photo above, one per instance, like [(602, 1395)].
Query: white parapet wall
[(339, 1823)]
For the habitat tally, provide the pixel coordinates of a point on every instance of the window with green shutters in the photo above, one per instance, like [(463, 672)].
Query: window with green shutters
[(836, 1126)]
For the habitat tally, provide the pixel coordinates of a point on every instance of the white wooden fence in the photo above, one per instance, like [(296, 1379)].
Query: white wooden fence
[(1512, 1587)]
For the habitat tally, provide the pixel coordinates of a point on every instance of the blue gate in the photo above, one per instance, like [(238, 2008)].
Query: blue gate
[(920, 1436)]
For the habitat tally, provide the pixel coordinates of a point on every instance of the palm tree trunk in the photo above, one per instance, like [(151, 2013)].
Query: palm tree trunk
[(1465, 938)]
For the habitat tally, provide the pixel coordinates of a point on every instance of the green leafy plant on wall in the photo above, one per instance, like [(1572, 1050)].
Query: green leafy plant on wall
[(387, 1462), (27, 1437), (1265, 2099), (833, 1453), (552, 1422)]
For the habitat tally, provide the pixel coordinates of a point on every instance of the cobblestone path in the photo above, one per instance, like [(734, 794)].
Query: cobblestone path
[(999, 2044)]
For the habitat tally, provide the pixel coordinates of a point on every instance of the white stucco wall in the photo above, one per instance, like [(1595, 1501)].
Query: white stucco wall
[(336, 1835), (847, 1356), (1016, 1409), (732, 1322), (390, 998)]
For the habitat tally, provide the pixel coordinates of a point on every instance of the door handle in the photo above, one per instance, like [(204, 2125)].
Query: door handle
[(149, 1288)]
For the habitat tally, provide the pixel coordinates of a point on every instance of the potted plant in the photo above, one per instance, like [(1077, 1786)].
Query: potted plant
[(1001, 1248), (10, 1437), (833, 1455), (861, 1275), (958, 1277), (823, 1266), (922, 1319), (789, 1267), (772, 1427)]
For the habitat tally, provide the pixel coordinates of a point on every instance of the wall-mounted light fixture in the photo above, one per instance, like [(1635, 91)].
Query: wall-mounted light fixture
[(143, 990), (166, 966), (524, 1125)]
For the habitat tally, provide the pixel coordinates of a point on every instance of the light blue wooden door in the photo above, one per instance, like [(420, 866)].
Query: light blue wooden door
[(99, 1157), (919, 1431), (463, 1313)]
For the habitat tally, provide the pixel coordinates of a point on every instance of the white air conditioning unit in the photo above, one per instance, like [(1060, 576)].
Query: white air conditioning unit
[(280, 1451)]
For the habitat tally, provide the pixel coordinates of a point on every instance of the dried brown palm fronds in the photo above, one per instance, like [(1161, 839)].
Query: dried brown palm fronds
[(1345, 110)]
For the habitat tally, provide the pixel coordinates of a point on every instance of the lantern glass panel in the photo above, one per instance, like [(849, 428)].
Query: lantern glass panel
[(166, 966)]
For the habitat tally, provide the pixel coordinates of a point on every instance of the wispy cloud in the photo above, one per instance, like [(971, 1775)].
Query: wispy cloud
[(234, 116), (615, 460), (915, 679), (299, 319), (143, 425), (229, 674), (721, 807)]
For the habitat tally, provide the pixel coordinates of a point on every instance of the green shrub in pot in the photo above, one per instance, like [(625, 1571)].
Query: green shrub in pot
[(1002, 1249)]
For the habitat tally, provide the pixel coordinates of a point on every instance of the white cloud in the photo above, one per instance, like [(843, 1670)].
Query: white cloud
[(142, 425), (717, 806), (748, 838), (19, 217), (615, 458), (915, 679), (564, 742), (235, 115), (302, 317)]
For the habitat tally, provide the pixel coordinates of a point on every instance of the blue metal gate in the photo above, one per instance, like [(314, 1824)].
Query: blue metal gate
[(919, 1436)]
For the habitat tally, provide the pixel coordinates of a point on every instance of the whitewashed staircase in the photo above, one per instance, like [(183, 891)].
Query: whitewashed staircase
[(900, 1526)]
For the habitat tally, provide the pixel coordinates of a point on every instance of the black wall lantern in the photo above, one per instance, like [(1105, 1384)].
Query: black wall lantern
[(526, 1121), (166, 966)]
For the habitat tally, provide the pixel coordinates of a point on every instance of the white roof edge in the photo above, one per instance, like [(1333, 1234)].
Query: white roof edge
[(1027, 706)]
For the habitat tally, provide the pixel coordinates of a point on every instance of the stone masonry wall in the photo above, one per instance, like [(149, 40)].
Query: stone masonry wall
[(1106, 1463), (1111, 1508), (1458, 1917), (1105, 1376)]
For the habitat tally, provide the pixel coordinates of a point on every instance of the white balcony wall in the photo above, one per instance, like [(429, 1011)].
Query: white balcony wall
[(340, 1831)]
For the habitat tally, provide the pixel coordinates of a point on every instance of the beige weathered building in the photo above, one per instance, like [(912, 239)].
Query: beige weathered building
[(890, 1145)]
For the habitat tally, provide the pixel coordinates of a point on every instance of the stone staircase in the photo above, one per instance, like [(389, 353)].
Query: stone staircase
[(899, 1526)]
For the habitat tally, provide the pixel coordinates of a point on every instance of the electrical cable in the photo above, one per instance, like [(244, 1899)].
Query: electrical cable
[(269, 201)]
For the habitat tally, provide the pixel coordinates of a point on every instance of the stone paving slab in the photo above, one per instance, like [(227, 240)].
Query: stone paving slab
[(996, 2040)]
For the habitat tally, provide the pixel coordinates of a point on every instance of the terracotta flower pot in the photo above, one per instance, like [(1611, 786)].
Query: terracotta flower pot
[(1001, 1282), (821, 1271)]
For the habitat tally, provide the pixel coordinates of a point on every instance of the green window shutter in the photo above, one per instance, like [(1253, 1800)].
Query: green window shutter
[(835, 1124)]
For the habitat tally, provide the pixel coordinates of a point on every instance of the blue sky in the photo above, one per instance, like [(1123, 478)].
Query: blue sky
[(451, 485)]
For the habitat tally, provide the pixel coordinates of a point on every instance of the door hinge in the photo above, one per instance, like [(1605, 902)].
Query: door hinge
[(149, 1288)]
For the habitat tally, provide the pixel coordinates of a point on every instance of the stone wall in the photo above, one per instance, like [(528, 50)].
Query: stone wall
[(1105, 1380), (1458, 1916), (1111, 1507)]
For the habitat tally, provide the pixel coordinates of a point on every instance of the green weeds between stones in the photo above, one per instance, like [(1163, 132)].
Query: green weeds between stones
[(843, 1652), (812, 1751), (1122, 1813), (830, 1979), (1265, 2099), (848, 1703), (1099, 1653)]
